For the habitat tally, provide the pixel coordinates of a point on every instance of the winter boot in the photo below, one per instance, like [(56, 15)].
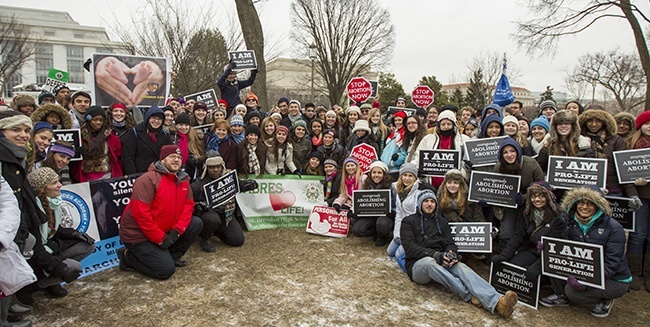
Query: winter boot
[(506, 304), (635, 262)]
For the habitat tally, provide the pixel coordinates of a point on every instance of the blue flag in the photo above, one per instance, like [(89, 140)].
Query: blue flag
[(503, 94)]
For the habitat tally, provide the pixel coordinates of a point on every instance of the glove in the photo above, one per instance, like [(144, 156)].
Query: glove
[(337, 207), (640, 181), (519, 200), (495, 232), (394, 157), (438, 256), (498, 258), (61, 270), (232, 64), (171, 237), (635, 203), (468, 164), (575, 284), (540, 246), (352, 215), (83, 237), (483, 204), (297, 172), (533, 271), (248, 185)]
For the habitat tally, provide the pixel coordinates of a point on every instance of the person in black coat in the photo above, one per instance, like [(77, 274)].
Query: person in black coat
[(141, 145), (332, 181)]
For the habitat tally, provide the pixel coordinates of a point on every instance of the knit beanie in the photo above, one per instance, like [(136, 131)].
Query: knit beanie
[(353, 109), (93, 111), (219, 109), (472, 121), (643, 118), (547, 104), (379, 164), (45, 95), (283, 99), (296, 102), (299, 122), (361, 125), (170, 108), (330, 113), (276, 114), (225, 103), (183, 118), (330, 132), (169, 149), (41, 177), (252, 96), (200, 106), (510, 119), (236, 120), (350, 159), (42, 125), (426, 194), (251, 115), (10, 118), (401, 114), (331, 162), (317, 155), (59, 88), (447, 114), (253, 129), (541, 122), (62, 149), (409, 168), (282, 128)]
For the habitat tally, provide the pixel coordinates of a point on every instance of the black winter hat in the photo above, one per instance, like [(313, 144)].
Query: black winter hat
[(183, 118), (317, 155), (253, 129), (93, 111)]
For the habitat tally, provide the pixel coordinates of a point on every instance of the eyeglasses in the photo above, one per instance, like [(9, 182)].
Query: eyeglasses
[(412, 123), (250, 100), (586, 203), (175, 157), (156, 118)]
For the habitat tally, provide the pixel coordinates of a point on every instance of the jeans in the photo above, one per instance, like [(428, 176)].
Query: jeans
[(642, 230), (395, 249), (458, 278)]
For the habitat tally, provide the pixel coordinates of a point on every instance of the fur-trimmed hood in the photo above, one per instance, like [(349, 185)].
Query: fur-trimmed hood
[(565, 116), (608, 120), (41, 113), (580, 193), (624, 115)]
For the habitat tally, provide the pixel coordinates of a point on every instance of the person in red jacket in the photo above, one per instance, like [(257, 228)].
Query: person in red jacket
[(157, 226)]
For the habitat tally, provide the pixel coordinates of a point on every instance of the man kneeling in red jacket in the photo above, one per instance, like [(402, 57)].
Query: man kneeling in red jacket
[(157, 226)]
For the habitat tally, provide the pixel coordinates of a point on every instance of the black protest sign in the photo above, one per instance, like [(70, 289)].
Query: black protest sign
[(110, 197), (570, 172), (407, 111), (438, 162), (483, 152), (203, 128), (221, 189), (244, 60), (371, 202), (74, 137), (632, 164), (505, 276), (622, 212), (472, 237), (564, 258), (209, 97), (496, 189), (375, 88)]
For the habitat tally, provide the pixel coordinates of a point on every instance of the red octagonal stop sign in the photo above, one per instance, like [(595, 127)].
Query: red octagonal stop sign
[(365, 155), (422, 96), (359, 89)]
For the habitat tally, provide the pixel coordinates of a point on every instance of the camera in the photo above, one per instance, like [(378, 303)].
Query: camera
[(451, 256)]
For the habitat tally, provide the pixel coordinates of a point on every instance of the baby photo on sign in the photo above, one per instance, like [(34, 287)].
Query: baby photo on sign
[(132, 80)]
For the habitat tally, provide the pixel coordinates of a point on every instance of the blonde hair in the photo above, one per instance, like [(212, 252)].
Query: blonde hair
[(400, 187), (357, 183), (445, 197), (265, 122)]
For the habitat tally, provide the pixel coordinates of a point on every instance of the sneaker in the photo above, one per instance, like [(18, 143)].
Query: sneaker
[(603, 309), (555, 300), (207, 245), (124, 266)]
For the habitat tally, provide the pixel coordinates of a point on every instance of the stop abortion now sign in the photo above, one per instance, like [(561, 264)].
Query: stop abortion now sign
[(422, 96), (359, 89)]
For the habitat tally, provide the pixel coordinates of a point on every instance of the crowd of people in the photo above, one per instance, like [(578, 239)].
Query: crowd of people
[(168, 211)]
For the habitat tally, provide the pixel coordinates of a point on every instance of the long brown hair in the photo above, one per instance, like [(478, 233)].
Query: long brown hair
[(445, 197)]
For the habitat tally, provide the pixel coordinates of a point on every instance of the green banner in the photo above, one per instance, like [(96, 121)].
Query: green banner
[(58, 75)]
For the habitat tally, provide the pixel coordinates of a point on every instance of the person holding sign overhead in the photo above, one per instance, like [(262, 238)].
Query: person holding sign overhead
[(590, 221), (432, 255), (230, 86)]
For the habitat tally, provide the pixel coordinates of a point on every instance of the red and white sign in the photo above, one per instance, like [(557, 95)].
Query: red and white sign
[(365, 155), (422, 96), (359, 89), (326, 221)]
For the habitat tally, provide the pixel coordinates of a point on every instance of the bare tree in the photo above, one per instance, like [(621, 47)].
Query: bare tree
[(558, 18), (617, 72), (251, 28), (576, 88), (16, 48), (349, 38)]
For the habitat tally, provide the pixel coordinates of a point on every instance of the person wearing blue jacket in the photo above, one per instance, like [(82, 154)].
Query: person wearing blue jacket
[(590, 221)]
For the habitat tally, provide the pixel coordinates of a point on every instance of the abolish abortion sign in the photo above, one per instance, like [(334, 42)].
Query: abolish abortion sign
[(622, 212), (483, 152), (564, 258), (505, 276), (632, 164), (495, 189), (371, 202), (571, 172)]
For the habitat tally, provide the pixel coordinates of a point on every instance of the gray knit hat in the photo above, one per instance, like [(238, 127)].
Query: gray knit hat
[(10, 118), (409, 168), (331, 162), (42, 177)]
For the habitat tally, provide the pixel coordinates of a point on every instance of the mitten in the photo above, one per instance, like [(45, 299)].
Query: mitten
[(635, 203), (498, 258), (483, 204), (640, 181), (575, 284)]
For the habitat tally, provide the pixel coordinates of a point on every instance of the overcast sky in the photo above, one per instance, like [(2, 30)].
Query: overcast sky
[(432, 37)]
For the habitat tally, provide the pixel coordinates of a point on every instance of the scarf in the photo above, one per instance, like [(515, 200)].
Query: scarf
[(598, 143), (81, 118), (238, 137), (538, 217), (350, 184), (55, 203), (642, 143), (317, 141), (183, 144), (19, 152), (119, 124), (253, 162), (294, 118), (328, 184), (153, 135), (214, 142)]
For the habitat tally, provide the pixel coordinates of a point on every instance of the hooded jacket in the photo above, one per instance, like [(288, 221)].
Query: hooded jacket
[(583, 143), (621, 116), (160, 201), (424, 235), (605, 231), (603, 144), (530, 171), (43, 111), (486, 121), (138, 149)]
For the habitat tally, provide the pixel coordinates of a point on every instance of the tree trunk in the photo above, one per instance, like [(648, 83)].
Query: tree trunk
[(254, 38), (641, 46)]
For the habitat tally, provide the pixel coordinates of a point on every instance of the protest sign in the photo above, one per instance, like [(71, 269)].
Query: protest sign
[(632, 164), (209, 97), (505, 276), (359, 89), (408, 111), (473, 237), (221, 189), (622, 212), (244, 60), (55, 77), (371, 202), (496, 189), (375, 88), (570, 172), (483, 152), (132, 80), (422, 96), (365, 154), (204, 129), (280, 201), (70, 135), (438, 162), (326, 221), (564, 258)]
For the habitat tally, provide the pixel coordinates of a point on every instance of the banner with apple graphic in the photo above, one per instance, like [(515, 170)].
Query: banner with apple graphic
[(281, 201)]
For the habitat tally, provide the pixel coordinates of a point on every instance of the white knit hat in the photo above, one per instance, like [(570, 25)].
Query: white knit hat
[(361, 125), (10, 118), (449, 115), (353, 109), (510, 119), (380, 164)]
